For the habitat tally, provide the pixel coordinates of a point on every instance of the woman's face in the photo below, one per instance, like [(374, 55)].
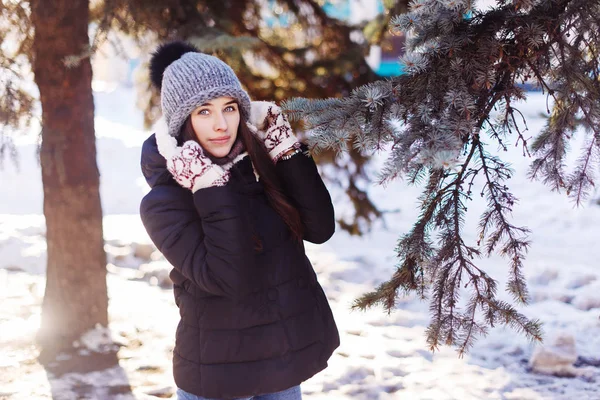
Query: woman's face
[(216, 124)]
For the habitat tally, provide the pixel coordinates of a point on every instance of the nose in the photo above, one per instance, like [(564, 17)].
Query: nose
[(220, 123)]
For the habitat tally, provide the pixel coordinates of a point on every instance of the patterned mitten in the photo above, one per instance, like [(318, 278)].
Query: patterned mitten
[(268, 122), (193, 170)]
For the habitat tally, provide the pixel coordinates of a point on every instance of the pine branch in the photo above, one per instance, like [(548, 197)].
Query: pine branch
[(433, 119), (501, 201), (17, 103), (582, 179)]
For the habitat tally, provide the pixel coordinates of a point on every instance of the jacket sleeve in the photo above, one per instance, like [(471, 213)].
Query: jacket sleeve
[(205, 238), (304, 186)]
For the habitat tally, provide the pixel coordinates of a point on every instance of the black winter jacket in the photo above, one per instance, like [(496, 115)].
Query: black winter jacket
[(253, 321)]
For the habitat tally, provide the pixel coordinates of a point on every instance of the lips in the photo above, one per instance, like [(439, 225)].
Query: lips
[(220, 140)]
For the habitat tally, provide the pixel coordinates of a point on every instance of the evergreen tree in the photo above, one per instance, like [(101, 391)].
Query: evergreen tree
[(75, 299), (464, 70)]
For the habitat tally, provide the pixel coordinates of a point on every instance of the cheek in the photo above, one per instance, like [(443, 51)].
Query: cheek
[(200, 129), (234, 123)]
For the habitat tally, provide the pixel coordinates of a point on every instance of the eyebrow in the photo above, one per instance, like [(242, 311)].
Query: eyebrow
[(234, 101)]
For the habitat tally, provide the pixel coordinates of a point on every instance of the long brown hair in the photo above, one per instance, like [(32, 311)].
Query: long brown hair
[(265, 168)]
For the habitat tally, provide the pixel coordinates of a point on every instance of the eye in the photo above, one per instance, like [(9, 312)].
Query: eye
[(230, 108), (204, 111)]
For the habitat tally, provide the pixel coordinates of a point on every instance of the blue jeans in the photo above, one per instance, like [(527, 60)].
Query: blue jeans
[(292, 393)]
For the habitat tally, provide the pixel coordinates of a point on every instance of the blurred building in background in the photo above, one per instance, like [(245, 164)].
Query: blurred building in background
[(382, 59)]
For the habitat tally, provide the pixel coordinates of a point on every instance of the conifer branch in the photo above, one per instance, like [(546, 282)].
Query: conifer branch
[(433, 120)]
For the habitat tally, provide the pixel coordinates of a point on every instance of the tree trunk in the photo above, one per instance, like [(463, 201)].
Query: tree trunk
[(76, 297)]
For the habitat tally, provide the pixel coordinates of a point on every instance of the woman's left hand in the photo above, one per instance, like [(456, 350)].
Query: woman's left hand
[(268, 122)]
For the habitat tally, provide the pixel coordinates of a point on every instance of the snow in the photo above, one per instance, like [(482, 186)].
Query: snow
[(556, 359), (381, 356)]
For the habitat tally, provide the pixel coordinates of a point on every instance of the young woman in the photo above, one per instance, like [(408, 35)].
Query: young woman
[(233, 196)]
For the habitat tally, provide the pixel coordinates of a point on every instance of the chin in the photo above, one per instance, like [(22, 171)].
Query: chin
[(220, 152)]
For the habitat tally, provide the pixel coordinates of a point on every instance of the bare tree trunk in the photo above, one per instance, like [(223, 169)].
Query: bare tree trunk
[(76, 297)]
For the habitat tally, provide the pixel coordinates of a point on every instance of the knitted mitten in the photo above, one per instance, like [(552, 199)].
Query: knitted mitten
[(193, 170), (268, 122)]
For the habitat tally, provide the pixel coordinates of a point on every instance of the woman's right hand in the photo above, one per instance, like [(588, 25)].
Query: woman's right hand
[(193, 170)]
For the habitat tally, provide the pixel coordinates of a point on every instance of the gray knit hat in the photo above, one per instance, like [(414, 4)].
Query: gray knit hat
[(189, 81)]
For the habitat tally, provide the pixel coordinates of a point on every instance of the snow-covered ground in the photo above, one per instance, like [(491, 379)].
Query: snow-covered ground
[(381, 356)]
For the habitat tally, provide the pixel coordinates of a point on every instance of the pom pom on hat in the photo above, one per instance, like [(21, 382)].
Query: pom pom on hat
[(163, 56)]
